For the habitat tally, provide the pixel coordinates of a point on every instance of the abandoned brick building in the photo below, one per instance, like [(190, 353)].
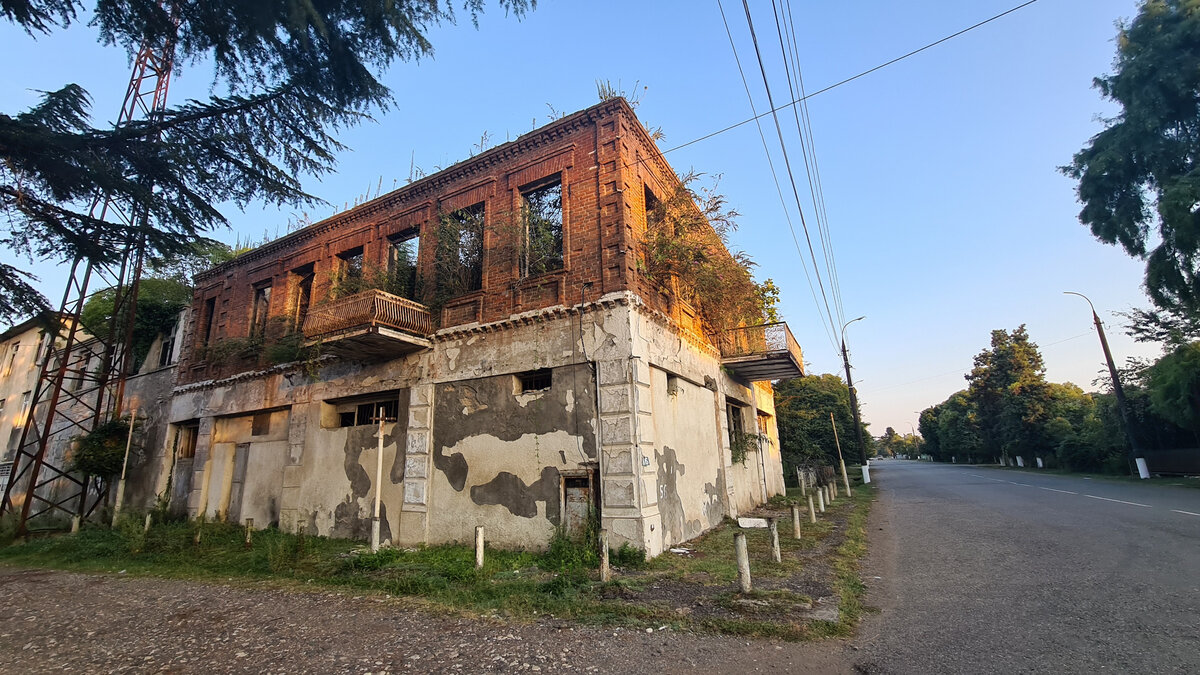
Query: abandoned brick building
[(495, 316)]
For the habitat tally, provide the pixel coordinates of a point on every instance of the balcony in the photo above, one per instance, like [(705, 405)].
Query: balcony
[(756, 353), (369, 325)]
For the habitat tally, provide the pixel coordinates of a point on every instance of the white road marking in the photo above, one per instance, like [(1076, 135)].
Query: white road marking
[(1119, 501), (1021, 484), (1066, 492), (1186, 513)]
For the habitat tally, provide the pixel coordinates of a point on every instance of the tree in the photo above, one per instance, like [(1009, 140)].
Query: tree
[(802, 408), (291, 74), (1174, 386), (1010, 394), (1139, 179), (159, 303)]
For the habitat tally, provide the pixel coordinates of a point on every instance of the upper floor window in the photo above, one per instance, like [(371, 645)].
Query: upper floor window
[(402, 252), (209, 319), (261, 309), (542, 227), (349, 275), (166, 354), (459, 257), (300, 282), (12, 358)]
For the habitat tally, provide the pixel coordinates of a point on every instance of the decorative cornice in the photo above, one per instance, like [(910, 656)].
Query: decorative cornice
[(537, 316)]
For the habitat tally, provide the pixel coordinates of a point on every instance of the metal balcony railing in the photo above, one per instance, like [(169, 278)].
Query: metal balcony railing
[(766, 352), (369, 309)]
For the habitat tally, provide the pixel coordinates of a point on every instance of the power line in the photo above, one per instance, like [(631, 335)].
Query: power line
[(786, 162), (774, 175), (851, 78)]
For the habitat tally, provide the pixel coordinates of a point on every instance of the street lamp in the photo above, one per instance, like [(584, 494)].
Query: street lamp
[(862, 449), (1122, 406)]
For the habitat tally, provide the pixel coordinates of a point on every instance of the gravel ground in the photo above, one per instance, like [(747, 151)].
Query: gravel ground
[(57, 621)]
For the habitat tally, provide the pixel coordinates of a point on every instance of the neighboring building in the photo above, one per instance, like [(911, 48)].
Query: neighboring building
[(21, 348), (528, 373), (147, 391)]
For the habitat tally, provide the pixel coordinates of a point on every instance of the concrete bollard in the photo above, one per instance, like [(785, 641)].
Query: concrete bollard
[(605, 570), (773, 528), (796, 520), (478, 547), (1040, 464), (743, 560), (249, 530), (866, 474), (812, 512), (821, 499), (149, 518), (76, 523)]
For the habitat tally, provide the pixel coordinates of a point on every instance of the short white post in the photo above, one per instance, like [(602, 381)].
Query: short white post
[(812, 512), (796, 520), (845, 478), (378, 487), (605, 570), (1143, 470), (743, 560), (773, 528), (124, 466), (249, 530), (1040, 464), (76, 522), (821, 499), (149, 517), (866, 474), (800, 481), (478, 547)]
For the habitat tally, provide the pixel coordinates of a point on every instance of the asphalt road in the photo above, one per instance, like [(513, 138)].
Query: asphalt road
[(982, 570)]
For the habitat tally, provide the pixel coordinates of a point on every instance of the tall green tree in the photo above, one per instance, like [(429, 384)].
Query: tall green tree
[(1139, 179), (1010, 394), (289, 74), (802, 409)]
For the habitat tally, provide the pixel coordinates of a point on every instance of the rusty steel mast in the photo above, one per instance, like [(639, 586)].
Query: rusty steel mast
[(81, 381)]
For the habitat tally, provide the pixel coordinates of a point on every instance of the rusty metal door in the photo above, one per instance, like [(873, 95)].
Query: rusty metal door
[(577, 497)]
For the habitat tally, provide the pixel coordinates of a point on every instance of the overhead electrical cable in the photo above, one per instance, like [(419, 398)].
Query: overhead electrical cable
[(778, 189), (806, 139), (849, 79), (787, 162)]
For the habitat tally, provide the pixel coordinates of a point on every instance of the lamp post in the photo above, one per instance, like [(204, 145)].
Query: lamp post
[(1122, 407), (862, 449)]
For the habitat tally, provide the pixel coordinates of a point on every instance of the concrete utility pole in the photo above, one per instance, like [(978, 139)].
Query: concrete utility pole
[(1135, 451), (862, 449)]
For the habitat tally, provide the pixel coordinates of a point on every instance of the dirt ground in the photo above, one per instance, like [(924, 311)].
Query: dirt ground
[(66, 622)]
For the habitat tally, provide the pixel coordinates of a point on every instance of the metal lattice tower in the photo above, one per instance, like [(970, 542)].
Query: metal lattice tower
[(81, 383)]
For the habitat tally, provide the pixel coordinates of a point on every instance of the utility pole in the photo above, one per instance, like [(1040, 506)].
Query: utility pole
[(862, 449), (1135, 451)]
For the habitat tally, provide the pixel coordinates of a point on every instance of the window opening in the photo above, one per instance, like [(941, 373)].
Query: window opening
[(351, 272), (302, 283), (185, 440), (737, 425), (542, 227), (166, 354), (534, 380), (403, 250), (261, 308), (459, 259), (210, 321), (368, 413), (12, 358), (261, 424)]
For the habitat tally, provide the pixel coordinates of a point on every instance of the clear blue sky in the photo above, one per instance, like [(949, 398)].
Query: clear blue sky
[(947, 215)]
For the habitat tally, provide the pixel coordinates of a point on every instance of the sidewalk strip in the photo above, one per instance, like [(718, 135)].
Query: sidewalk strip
[(1120, 501), (1186, 513)]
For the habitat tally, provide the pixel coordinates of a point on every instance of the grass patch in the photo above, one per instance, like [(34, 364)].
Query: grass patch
[(561, 581)]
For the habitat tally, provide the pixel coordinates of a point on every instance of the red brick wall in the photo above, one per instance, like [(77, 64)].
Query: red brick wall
[(592, 150)]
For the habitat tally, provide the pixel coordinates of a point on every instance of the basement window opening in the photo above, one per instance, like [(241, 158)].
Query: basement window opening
[(534, 380)]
